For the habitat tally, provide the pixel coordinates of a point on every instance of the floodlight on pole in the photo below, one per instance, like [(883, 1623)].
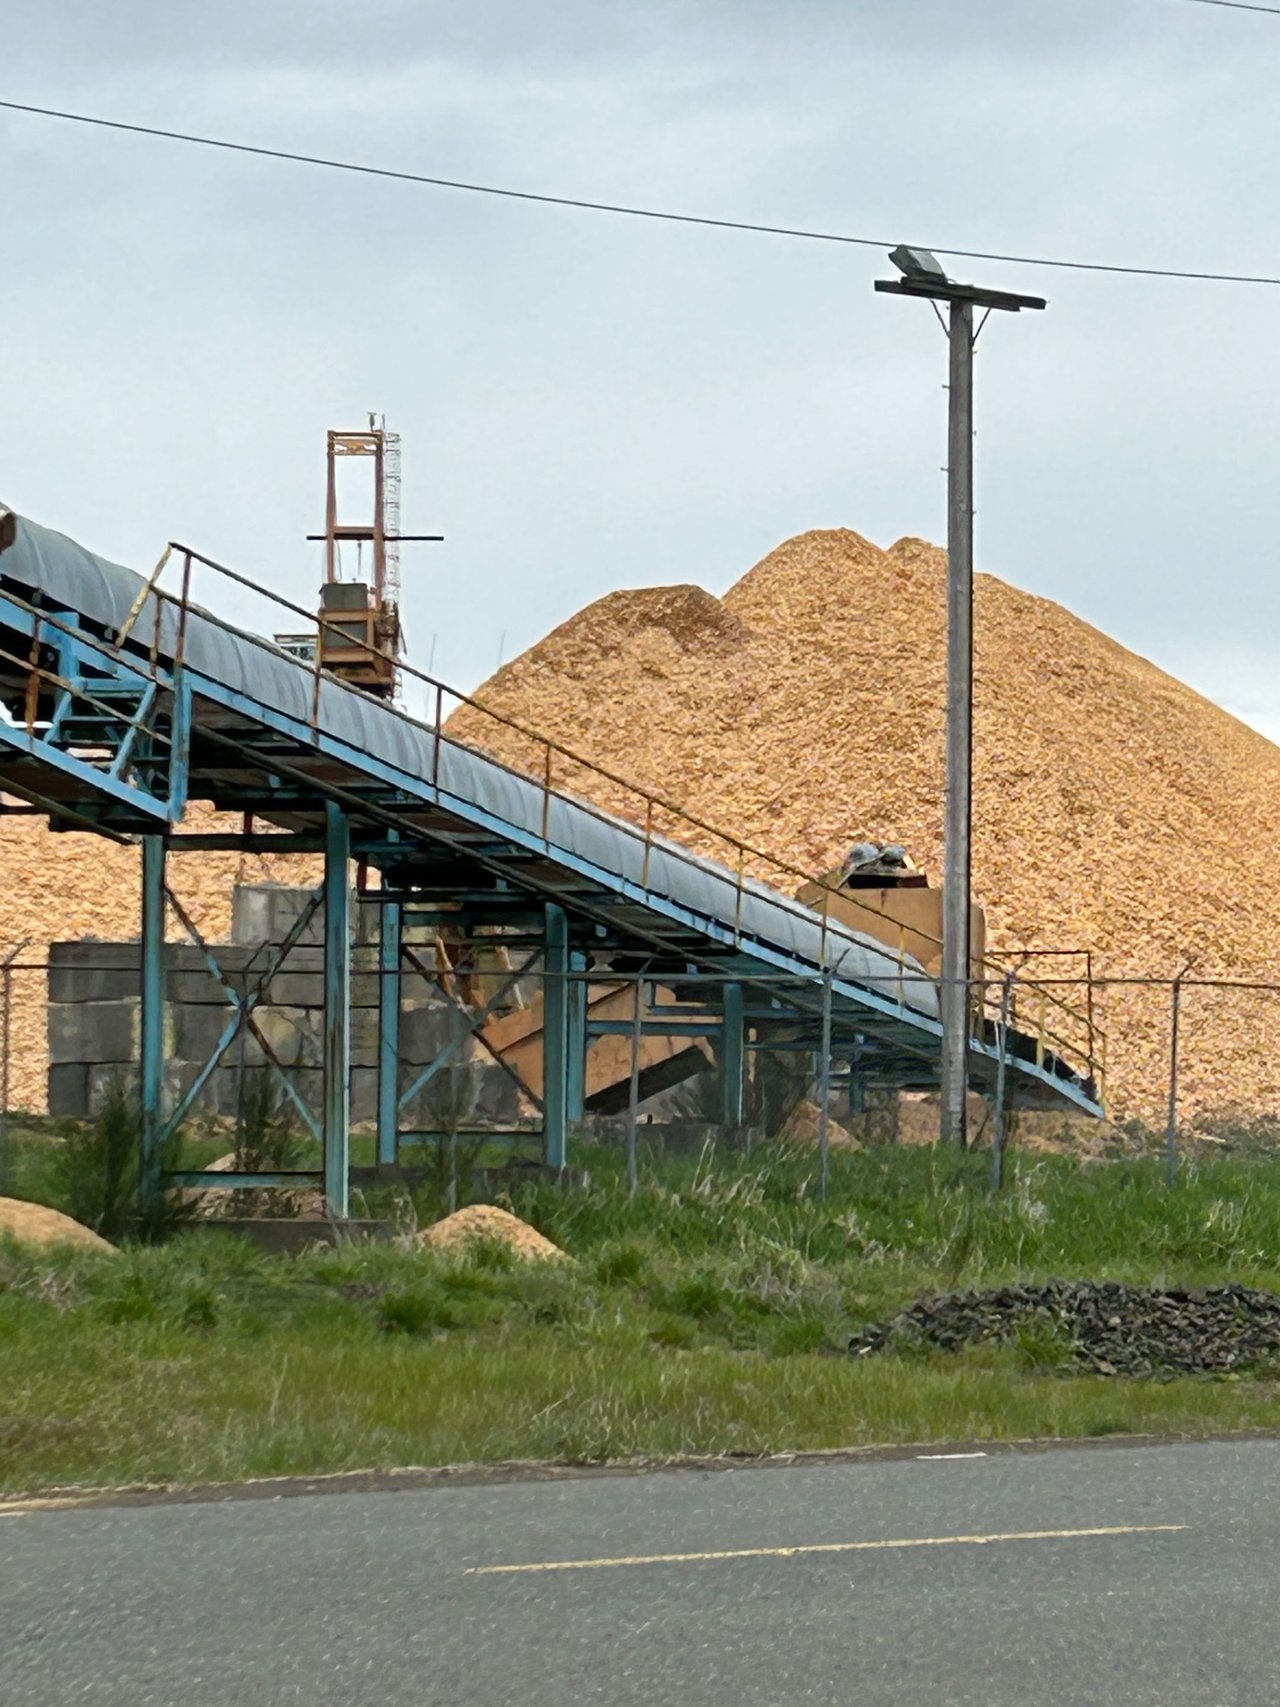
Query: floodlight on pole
[(923, 276)]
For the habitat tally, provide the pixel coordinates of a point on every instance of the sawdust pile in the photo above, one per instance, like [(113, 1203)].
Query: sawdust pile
[(1114, 809), (33, 1224), (485, 1223), (804, 1127), (63, 885)]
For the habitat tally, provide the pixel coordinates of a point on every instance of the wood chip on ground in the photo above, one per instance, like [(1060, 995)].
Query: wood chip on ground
[(485, 1223), (33, 1224)]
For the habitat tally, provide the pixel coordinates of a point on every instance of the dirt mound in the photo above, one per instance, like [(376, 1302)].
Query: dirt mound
[(485, 1223), (1101, 1327), (1115, 809), (33, 1224)]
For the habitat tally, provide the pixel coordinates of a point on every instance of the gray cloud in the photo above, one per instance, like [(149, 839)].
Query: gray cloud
[(588, 402)]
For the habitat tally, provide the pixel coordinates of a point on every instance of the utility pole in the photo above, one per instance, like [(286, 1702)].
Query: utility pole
[(923, 277)]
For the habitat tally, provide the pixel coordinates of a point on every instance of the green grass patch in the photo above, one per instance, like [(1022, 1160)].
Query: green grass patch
[(706, 1312)]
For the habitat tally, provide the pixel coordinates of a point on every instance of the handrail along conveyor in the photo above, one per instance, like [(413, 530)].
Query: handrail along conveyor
[(124, 701)]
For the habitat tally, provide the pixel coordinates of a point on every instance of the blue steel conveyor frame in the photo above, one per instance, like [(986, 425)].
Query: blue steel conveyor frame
[(122, 702)]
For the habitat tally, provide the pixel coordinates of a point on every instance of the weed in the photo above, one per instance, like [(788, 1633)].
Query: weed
[(621, 1265), (700, 1314), (95, 1170), (269, 1139), (416, 1310), (699, 1296), (1042, 1344)]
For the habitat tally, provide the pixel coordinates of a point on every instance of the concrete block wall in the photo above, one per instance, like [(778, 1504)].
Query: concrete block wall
[(94, 1020)]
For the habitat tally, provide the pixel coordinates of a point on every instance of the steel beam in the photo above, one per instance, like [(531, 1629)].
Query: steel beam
[(337, 1012), (654, 1027), (576, 1066), (392, 919), (151, 1087), (555, 1039), (733, 1058)]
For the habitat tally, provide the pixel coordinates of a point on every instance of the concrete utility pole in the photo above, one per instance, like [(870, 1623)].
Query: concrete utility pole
[(923, 277)]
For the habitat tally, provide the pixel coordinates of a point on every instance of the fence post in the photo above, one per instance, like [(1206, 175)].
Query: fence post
[(824, 1086), (997, 1128), (576, 1066), (336, 1124), (633, 1092), (555, 1038), (6, 1035), (390, 936), (1171, 1130), (152, 1016)]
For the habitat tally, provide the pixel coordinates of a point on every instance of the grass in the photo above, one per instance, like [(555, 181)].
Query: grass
[(707, 1312)]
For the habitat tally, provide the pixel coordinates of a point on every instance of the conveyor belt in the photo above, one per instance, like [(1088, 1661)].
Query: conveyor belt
[(316, 741)]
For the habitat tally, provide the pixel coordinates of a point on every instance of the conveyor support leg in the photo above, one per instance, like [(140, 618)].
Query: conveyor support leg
[(337, 1012)]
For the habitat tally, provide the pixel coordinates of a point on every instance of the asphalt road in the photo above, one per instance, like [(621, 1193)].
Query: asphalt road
[(393, 1597)]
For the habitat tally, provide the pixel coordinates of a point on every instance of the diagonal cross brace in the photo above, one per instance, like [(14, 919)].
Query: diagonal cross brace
[(243, 1016), (474, 1023), (446, 986)]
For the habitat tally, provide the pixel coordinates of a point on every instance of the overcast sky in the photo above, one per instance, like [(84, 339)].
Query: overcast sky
[(589, 402)]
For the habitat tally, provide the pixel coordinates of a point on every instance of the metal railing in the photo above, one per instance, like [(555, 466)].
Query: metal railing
[(1062, 1028)]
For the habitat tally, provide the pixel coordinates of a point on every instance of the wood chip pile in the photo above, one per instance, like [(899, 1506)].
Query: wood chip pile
[(33, 1224), (1115, 809), (485, 1224)]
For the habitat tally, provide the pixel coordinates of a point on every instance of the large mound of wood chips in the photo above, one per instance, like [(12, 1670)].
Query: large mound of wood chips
[(1114, 808)]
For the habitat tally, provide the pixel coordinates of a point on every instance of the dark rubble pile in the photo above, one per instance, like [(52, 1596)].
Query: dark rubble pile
[(1105, 1327)]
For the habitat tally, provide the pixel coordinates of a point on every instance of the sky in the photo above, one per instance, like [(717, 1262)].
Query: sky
[(590, 402)]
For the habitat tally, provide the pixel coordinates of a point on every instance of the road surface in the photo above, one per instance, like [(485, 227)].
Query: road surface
[(1067, 1578)]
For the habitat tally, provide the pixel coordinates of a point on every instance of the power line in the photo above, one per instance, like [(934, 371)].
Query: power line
[(1237, 6), (632, 212)]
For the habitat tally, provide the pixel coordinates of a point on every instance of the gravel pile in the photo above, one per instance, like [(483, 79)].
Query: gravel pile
[(1105, 1328)]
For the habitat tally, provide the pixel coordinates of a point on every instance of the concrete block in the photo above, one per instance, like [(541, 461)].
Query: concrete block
[(95, 951), (224, 1089), (92, 984), (94, 971), (291, 1035), (365, 1033), (304, 958), (232, 1086), (267, 912), (197, 1029), (309, 1084), (104, 1078), (69, 1090), (449, 1099), (93, 1031), (364, 1094), (190, 978), (297, 990), (497, 1101), (426, 1029), (179, 1078)]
